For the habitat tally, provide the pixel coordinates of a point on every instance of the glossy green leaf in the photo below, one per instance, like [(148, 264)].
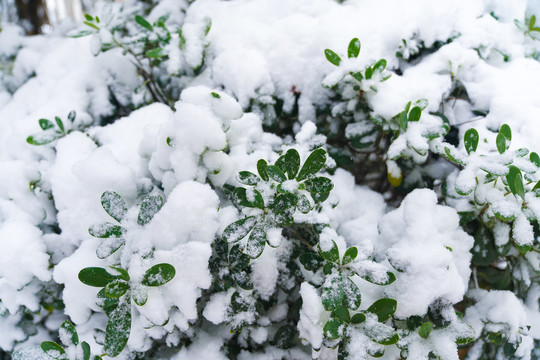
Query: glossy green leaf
[(95, 276), (116, 288), (54, 350), (380, 66), (425, 330), (291, 163), (354, 48), (123, 274), (276, 174), (118, 329), (333, 329), (145, 24), (86, 350), (369, 73), (328, 267), (252, 199), (332, 57), (158, 275), (105, 230), (331, 254), (303, 204), (45, 124), (239, 229), (114, 205), (43, 138), (357, 75), (350, 254), (256, 242), (358, 318), (513, 174), (319, 185), (68, 332), (351, 292), (140, 297), (506, 131), (149, 207), (382, 334), (403, 121), (314, 163), (501, 143), (415, 113), (342, 313), (247, 178), (471, 139), (535, 159), (383, 308), (262, 169), (155, 53)]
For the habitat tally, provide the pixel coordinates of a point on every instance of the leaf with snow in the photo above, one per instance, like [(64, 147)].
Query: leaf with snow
[(114, 205), (149, 207), (158, 275)]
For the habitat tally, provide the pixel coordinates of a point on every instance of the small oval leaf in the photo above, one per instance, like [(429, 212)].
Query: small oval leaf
[(239, 229), (332, 57), (95, 276), (383, 308), (158, 275), (114, 205), (354, 48), (149, 207), (314, 163), (471, 140)]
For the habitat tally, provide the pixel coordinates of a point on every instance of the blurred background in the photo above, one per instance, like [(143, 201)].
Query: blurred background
[(39, 16)]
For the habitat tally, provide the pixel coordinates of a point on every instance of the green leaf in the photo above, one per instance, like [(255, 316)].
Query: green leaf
[(369, 73), (149, 207), (114, 205), (262, 169), (332, 57), (342, 313), (471, 140), (349, 255), (425, 330), (331, 254), (414, 321), (291, 163), (327, 268), (247, 178), (116, 288), (118, 329), (518, 183), (68, 332), (415, 114), (43, 138), (303, 204), (314, 163), (380, 66), (124, 275), (256, 242), (501, 143), (53, 350), (275, 173), (45, 124), (215, 95), (352, 294), (140, 297), (333, 329), (155, 53), (86, 350), (383, 308), (382, 334), (95, 276), (319, 185), (145, 24), (358, 318), (311, 261), (532, 22), (109, 246), (390, 275), (513, 174), (535, 159), (240, 195), (403, 120), (60, 123), (105, 230), (158, 275), (506, 131), (354, 48), (88, 17), (357, 75), (237, 259), (239, 229), (71, 117)]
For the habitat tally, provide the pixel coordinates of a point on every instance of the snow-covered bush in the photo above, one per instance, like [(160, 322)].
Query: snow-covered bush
[(272, 179)]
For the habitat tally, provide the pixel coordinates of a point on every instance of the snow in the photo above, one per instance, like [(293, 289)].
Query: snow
[(260, 53)]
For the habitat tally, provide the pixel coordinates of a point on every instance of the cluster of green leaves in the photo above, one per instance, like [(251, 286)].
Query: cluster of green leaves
[(51, 131), (113, 233), (76, 350), (117, 291), (529, 28), (146, 48), (367, 73), (289, 187)]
